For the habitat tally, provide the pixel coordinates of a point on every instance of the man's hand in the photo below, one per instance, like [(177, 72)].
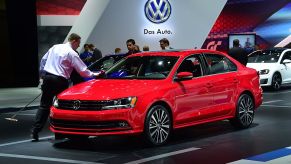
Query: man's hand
[(98, 74), (95, 74)]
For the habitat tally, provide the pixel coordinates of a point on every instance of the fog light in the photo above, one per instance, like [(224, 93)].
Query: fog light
[(263, 81)]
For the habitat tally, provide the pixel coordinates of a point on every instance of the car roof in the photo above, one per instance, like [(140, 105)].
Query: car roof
[(174, 52), (277, 48), (120, 54)]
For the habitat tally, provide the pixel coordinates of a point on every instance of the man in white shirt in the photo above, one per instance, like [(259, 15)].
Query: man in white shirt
[(55, 68)]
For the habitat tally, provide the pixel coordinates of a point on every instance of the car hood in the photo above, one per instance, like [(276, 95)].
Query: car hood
[(105, 89), (261, 66)]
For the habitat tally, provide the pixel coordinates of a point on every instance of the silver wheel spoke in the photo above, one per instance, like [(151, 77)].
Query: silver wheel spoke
[(161, 136), (152, 134), (154, 126), (154, 119), (166, 126)]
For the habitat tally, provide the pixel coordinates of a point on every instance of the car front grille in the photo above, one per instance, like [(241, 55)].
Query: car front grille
[(81, 105)]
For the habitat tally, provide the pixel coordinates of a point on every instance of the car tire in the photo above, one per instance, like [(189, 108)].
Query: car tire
[(158, 125), (245, 111), (276, 81)]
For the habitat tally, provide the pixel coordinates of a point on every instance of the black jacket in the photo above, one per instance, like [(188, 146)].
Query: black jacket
[(239, 54), (97, 54)]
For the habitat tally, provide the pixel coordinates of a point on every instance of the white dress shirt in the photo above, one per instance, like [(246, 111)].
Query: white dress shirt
[(61, 59)]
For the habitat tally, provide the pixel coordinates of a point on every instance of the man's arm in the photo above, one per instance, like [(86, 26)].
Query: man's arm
[(42, 64), (81, 68)]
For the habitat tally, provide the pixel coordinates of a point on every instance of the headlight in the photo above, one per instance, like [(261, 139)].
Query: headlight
[(122, 103), (56, 102), (264, 71)]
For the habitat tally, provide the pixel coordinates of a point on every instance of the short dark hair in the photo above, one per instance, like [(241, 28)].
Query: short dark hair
[(146, 48), (165, 40), (130, 40), (74, 36), (235, 43), (85, 45), (91, 45), (117, 50)]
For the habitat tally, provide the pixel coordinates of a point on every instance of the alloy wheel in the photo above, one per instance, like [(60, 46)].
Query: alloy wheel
[(158, 125), (276, 81), (246, 110)]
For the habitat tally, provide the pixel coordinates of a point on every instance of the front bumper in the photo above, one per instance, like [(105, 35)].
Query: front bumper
[(94, 123), (265, 80)]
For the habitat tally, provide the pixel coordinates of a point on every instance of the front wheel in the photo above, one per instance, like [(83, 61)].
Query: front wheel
[(244, 112), (276, 81), (158, 125)]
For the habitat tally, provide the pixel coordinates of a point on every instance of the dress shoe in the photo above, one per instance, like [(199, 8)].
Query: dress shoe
[(34, 137)]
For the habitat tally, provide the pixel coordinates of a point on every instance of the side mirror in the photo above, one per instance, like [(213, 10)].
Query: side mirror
[(184, 76), (286, 61)]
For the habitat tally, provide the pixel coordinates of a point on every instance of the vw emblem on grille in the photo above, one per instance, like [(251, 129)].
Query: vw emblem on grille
[(157, 11), (76, 104)]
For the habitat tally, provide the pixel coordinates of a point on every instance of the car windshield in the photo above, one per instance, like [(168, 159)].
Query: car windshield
[(105, 63), (142, 67), (266, 56)]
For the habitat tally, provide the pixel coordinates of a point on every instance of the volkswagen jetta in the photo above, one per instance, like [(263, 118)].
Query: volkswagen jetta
[(153, 93)]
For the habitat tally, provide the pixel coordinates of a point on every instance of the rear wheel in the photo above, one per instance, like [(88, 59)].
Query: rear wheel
[(276, 81), (158, 125), (244, 112)]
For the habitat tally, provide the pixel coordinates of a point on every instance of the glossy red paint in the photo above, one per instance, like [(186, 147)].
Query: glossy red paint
[(207, 98)]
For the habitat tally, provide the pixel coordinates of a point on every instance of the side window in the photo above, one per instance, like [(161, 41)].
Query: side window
[(191, 64), (219, 64), (231, 66), (287, 55), (108, 63)]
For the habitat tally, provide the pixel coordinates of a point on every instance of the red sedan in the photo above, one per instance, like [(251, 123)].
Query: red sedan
[(155, 92)]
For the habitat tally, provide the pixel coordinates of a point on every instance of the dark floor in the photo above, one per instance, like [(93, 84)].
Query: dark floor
[(210, 143)]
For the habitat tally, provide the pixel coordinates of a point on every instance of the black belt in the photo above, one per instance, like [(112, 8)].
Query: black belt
[(59, 77)]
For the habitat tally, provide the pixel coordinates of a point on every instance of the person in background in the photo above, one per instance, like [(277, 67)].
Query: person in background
[(130, 43), (56, 67), (238, 53), (145, 48), (248, 46), (86, 56), (165, 44), (97, 54), (136, 48), (117, 50), (248, 43)]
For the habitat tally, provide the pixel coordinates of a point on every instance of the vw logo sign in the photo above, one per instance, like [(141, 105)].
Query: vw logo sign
[(76, 104), (157, 11)]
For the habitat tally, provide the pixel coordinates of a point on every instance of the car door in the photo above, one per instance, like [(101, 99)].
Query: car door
[(286, 68), (224, 83), (191, 95)]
